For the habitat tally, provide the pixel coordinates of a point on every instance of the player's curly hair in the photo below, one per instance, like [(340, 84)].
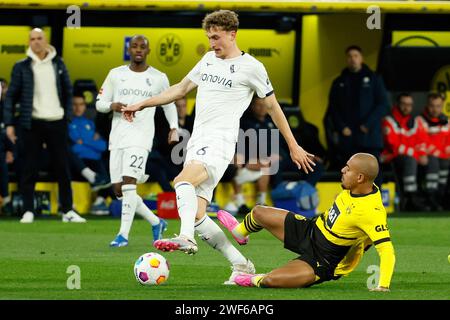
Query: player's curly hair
[(227, 20)]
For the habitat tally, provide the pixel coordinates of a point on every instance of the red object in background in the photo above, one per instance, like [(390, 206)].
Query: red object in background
[(167, 205)]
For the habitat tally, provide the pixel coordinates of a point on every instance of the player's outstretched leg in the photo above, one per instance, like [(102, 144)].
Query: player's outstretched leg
[(295, 274), (211, 233), (187, 209)]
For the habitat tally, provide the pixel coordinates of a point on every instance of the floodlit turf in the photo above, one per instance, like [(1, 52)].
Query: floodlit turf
[(34, 260)]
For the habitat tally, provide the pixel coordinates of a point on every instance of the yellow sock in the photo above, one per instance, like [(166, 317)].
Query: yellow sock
[(241, 230), (247, 226), (256, 280)]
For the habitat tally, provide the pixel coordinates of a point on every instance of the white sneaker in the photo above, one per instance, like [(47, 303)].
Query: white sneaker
[(245, 175), (72, 216), (239, 269), (27, 217), (181, 243), (231, 207)]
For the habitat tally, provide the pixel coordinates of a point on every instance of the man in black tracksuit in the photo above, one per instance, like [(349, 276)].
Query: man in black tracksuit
[(357, 104), (41, 85)]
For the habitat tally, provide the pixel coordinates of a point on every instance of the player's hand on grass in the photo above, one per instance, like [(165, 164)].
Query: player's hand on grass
[(303, 159), (129, 112), (380, 289)]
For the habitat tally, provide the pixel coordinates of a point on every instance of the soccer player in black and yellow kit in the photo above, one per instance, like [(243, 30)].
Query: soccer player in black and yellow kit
[(330, 245)]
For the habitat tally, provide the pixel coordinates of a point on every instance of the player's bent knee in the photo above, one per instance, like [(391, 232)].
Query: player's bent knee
[(178, 178), (259, 213)]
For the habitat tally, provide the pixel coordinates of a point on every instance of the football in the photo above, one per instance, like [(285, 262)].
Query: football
[(151, 269)]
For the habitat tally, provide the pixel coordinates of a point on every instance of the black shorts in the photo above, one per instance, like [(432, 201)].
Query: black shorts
[(298, 238)]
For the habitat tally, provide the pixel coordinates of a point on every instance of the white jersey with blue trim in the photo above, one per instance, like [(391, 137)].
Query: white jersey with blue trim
[(225, 90), (128, 87)]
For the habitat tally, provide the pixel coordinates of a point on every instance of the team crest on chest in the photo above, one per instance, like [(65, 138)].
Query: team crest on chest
[(148, 82), (349, 208), (234, 68)]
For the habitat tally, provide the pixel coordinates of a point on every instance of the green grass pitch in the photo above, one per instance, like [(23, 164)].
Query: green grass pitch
[(34, 260)]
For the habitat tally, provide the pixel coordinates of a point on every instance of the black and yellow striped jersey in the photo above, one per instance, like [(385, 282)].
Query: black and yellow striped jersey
[(353, 223)]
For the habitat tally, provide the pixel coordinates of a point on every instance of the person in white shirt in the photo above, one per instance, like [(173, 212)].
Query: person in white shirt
[(130, 143), (226, 79), (41, 85)]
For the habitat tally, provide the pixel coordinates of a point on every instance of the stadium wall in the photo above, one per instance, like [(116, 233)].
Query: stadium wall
[(83, 197), (323, 57)]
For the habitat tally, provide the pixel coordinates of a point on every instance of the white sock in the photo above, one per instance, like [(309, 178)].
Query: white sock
[(245, 175), (98, 200), (261, 198), (187, 207), (210, 232), (240, 199), (145, 212), (88, 174), (129, 202)]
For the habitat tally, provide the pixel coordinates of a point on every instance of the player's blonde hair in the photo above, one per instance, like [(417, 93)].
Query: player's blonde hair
[(227, 20)]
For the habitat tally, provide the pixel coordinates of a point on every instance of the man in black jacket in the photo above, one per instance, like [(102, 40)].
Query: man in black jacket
[(40, 84), (357, 104), (6, 154)]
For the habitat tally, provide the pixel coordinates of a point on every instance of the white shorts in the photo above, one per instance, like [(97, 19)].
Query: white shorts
[(128, 162), (215, 156)]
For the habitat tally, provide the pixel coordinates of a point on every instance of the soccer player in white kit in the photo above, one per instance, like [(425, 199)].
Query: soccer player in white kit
[(226, 79), (130, 143)]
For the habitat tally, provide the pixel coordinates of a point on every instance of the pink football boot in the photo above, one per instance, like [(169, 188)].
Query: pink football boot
[(230, 222)]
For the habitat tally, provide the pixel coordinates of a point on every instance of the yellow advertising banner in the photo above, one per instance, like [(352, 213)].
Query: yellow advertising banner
[(13, 46), (314, 6), (421, 38), (90, 52)]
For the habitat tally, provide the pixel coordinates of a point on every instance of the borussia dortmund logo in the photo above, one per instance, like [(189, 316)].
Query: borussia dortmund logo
[(169, 49), (441, 84)]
